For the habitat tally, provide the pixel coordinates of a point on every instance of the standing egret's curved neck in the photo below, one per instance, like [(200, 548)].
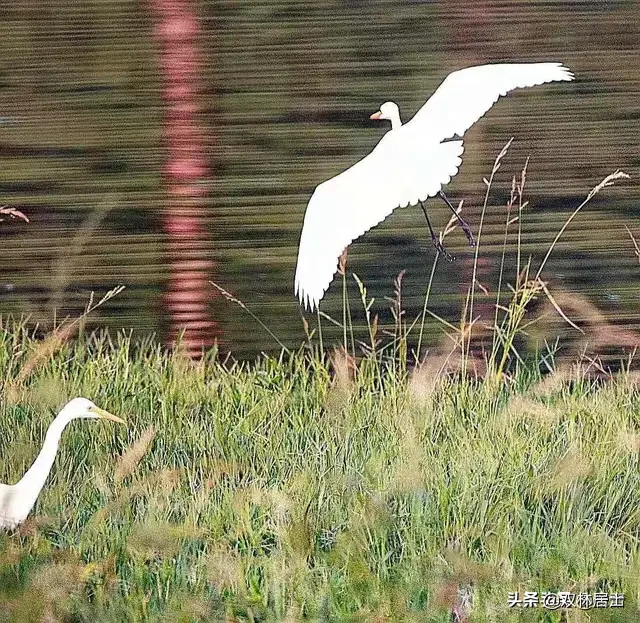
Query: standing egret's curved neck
[(33, 481)]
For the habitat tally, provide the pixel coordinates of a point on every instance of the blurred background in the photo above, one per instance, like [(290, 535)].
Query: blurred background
[(163, 144)]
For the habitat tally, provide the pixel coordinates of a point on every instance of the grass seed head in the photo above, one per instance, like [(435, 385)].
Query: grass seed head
[(132, 456)]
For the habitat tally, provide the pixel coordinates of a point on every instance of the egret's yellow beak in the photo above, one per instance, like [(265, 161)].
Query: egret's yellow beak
[(376, 115), (105, 415)]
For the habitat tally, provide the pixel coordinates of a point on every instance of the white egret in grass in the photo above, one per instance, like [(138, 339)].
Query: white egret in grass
[(410, 164), (16, 501)]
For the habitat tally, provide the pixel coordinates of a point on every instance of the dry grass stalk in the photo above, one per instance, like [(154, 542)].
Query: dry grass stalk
[(482, 288), (344, 369), (396, 302), (236, 301), (551, 383), (156, 538), (425, 378), (629, 440), (32, 525), (224, 569), (635, 244), (567, 470), (64, 265), (446, 594), (598, 330), (523, 407), (557, 307), (629, 379), (342, 263), (58, 338), (132, 456), (407, 473), (441, 362), (374, 331), (607, 181), (451, 225), (45, 349)]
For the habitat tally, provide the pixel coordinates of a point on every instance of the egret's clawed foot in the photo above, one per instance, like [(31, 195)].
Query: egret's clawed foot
[(441, 250)]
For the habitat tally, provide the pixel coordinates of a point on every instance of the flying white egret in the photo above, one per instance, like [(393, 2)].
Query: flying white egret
[(16, 501), (410, 164)]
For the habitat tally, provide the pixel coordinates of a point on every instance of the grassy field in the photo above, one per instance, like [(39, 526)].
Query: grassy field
[(301, 487), (361, 483)]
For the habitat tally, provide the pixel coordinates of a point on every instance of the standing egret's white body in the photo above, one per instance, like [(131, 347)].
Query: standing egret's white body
[(410, 164), (16, 501)]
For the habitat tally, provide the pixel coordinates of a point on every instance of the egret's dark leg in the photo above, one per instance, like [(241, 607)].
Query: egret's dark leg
[(463, 224), (436, 241)]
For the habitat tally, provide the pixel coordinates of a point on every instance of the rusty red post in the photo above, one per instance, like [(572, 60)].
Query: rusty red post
[(188, 292)]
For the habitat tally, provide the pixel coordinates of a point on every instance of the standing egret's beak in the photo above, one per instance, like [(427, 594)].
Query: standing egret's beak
[(376, 115), (105, 415)]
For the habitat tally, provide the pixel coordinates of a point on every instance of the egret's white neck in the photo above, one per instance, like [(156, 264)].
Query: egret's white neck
[(395, 120), (33, 481)]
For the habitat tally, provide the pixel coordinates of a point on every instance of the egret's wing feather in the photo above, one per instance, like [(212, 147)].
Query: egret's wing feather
[(400, 171), (465, 95)]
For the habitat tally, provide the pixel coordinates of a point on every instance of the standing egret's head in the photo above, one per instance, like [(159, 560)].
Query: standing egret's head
[(390, 112), (83, 408)]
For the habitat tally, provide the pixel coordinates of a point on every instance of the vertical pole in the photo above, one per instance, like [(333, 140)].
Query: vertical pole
[(188, 293)]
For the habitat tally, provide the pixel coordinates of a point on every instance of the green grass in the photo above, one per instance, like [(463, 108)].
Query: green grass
[(277, 489), (369, 484)]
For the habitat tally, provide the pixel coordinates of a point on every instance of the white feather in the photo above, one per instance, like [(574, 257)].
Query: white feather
[(466, 95)]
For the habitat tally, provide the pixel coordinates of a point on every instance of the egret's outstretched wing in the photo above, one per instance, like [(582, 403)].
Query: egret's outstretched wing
[(401, 170), (465, 95)]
